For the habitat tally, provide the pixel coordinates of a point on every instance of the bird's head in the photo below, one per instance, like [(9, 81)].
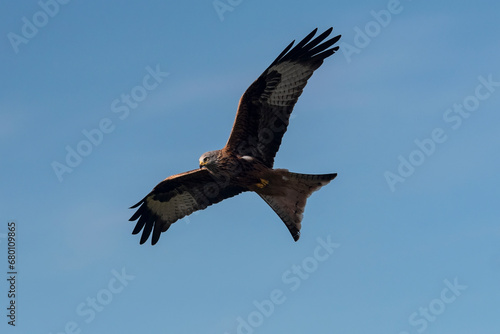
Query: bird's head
[(209, 159)]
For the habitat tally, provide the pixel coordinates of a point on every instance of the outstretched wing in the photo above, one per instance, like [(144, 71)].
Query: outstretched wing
[(178, 196), (264, 109)]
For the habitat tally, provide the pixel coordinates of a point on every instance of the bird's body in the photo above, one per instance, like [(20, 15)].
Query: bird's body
[(246, 162)]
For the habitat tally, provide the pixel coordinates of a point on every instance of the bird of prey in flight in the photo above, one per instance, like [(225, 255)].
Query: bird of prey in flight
[(246, 162)]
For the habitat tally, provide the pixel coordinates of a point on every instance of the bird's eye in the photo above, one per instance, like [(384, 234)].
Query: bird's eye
[(205, 159)]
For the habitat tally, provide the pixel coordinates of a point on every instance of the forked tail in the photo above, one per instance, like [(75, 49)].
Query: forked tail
[(288, 195)]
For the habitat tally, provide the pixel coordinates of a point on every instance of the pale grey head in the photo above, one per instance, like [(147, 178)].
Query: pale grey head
[(210, 159)]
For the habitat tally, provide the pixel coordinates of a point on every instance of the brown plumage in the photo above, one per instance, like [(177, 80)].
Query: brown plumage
[(246, 162)]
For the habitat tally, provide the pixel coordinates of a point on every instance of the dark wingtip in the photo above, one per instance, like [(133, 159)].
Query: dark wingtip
[(138, 203), (144, 238), (156, 233), (137, 214), (138, 227)]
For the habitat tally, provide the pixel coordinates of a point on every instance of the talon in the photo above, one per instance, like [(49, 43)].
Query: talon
[(263, 183)]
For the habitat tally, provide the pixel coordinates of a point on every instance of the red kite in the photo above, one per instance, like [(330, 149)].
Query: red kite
[(246, 162)]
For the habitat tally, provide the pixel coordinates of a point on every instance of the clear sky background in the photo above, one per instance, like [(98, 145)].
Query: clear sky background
[(406, 113)]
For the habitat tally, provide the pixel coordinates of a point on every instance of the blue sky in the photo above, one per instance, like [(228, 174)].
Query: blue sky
[(405, 240)]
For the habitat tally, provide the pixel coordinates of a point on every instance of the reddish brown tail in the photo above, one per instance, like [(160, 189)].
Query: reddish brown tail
[(290, 195)]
